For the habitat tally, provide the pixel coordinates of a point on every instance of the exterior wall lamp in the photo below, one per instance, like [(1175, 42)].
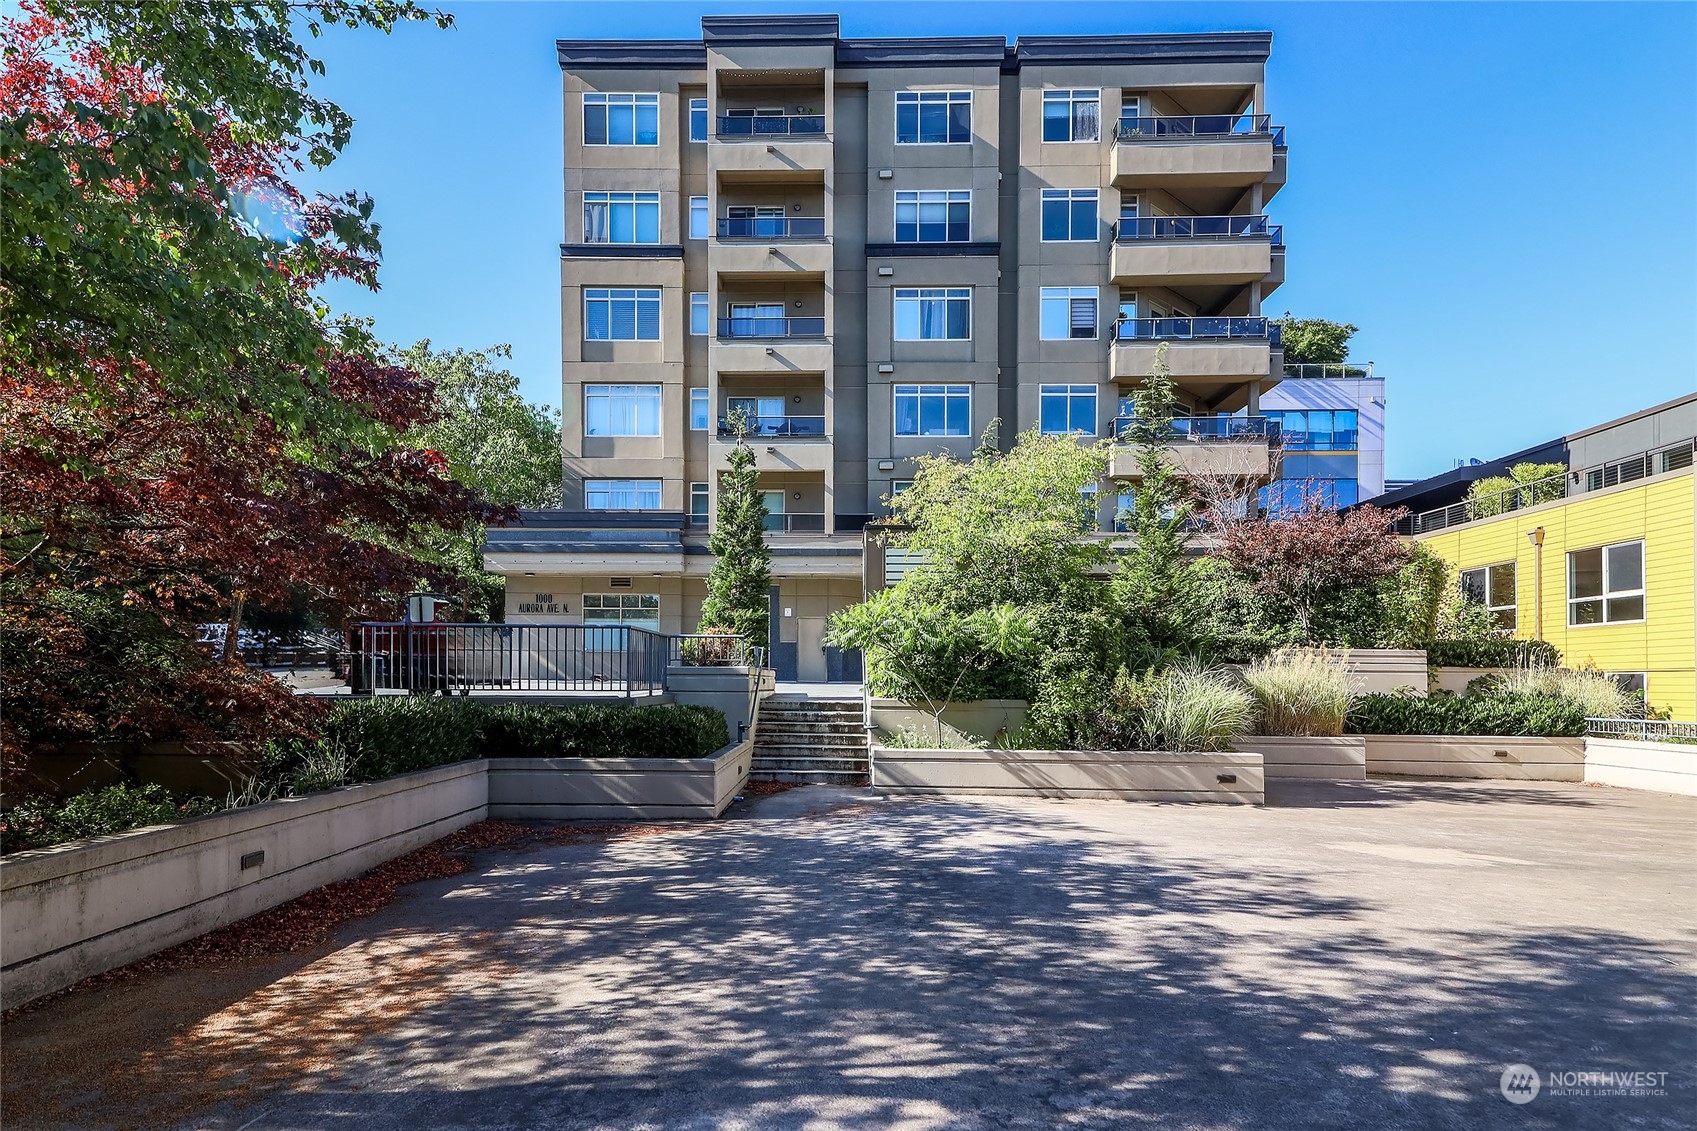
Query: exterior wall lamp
[(1536, 537)]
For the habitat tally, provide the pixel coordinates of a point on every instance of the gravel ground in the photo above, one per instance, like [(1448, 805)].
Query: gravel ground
[(1364, 955)]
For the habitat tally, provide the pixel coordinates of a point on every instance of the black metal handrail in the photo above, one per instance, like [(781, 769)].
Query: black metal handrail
[(812, 427), (1212, 428), (1205, 126), (772, 228), (1211, 327), (772, 125), (1129, 228), (441, 656), (773, 327), (795, 522)]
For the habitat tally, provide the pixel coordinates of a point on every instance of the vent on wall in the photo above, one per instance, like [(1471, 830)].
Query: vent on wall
[(619, 582)]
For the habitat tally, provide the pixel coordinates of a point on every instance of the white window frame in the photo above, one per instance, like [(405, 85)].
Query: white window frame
[(920, 390), (699, 491), (607, 100), (1607, 595), (1071, 393), (918, 199), (639, 298), (701, 105), (1506, 616), (1069, 295), (700, 315), (615, 492), (700, 218), (921, 295), (918, 98), (1071, 97), (1067, 196), (613, 394), (597, 608), (638, 202), (700, 410)]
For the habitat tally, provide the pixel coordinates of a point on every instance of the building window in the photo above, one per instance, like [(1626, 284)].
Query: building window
[(700, 414), (1317, 430), (1492, 587), (699, 218), (1072, 115), (627, 610), (1069, 215), (933, 117), (621, 119), (1633, 683), (1067, 409), (621, 217), (1131, 109), (934, 216), (698, 504), (621, 315), (698, 119), (621, 410), (1067, 312), (621, 494), (928, 314), (1605, 584), (933, 410), (700, 314), (897, 486)]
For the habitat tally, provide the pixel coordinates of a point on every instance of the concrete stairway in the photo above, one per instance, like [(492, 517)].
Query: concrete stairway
[(821, 741)]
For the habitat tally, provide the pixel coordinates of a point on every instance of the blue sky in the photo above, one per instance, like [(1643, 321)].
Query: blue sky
[(1502, 197)]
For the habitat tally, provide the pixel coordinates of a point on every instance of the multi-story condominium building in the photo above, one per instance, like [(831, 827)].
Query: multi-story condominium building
[(1332, 426), (860, 251), (1599, 559)]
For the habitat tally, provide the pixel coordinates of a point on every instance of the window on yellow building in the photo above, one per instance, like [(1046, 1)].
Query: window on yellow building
[(1493, 587), (1605, 584)]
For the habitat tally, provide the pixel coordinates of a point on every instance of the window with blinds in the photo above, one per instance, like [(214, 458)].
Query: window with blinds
[(1068, 312), (621, 314)]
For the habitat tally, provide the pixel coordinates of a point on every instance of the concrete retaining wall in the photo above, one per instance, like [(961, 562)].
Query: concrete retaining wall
[(1380, 670), (1317, 759), (78, 909), (1122, 775), (1445, 756), (982, 719), (1457, 679), (1667, 767), (560, 789)]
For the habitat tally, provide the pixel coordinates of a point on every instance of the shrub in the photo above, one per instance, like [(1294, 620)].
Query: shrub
[(1299, 691), (38, 822), (1187, 709), (1596, 695), (1502, 715), (712, 647), (1498, 653)]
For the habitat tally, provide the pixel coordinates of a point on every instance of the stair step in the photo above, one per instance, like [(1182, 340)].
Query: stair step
[(779, 751)]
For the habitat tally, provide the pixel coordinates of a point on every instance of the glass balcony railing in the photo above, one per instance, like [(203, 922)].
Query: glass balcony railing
[(1206, 126), (1198, 228), (765, 427), (774, 327), (1211, 328), (1215, 429), (772, 125), (772, 228), (1327, 371), (795, 523)]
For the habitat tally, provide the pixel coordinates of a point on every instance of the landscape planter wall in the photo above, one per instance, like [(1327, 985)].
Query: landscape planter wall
[(1377, 671), (78, 909), (1316, 759), (562, 789), (1457, 679), (1448, 756), (980, 719), (207, 769), (1667, 767), (1120, 775)]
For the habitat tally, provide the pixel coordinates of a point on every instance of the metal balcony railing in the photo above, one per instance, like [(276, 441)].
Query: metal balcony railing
[(795, 523), (766, 427), (1327, 371), (774, 327), (772, 228), (1211, 328), (772, 125), (1204, 126), (1130, 228), (1212, 429)]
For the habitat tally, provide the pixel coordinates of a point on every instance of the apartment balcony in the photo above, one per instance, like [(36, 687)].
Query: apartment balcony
[(1213, 359), (1199, 251), (756, 249), (770, 149), (1239, 447), (771, 345), (777, 428), (784, 443), (1229, 151)]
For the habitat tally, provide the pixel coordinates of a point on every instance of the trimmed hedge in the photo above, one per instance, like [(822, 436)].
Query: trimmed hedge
[(389, 735), (1495, 716), (1492, 654)]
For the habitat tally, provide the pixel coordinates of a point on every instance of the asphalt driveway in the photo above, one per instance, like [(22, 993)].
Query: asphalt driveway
[(1362, 956)]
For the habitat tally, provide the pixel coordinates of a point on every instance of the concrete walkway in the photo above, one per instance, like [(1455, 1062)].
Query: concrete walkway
[(1357, 956)]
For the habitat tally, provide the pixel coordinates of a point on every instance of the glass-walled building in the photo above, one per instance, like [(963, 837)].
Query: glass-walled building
[(1332, 422)]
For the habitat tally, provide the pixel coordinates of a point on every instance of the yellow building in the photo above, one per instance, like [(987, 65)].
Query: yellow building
[(1606, 570)]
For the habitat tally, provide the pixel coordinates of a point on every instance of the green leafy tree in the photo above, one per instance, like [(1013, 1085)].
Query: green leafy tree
[(739, 584), (1422, 604), (1525, 485), (1311, 341)]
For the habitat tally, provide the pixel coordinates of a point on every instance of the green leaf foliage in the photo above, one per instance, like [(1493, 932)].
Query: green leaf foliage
[(1497, 652), (1525, 485), (37, 822), (1311, 341), (740, 582), (1493, 715)]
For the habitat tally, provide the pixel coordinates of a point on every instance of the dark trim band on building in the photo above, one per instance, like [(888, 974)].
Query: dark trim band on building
[(905, 250), (621, 251)]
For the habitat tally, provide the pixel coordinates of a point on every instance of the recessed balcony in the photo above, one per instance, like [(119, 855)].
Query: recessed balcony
[(754, 428), (1230, 151), (1239, 447), (1213, 359), (1179, 251), (749, 249), (770, 148)]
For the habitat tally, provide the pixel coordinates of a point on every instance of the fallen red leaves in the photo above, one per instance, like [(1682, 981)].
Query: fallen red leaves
[(768, 788)]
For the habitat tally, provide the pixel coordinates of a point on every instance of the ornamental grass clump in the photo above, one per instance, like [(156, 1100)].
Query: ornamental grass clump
[(1188, 710), (1299, 691), (1594, 693)]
